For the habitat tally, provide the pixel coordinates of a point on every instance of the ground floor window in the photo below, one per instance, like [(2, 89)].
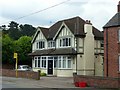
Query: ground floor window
[(64, 62), (61, 62), (40, 62)]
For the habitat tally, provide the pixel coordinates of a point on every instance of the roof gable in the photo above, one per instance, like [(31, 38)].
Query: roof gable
[(75, 25), (114, 21), (63, 25), (44, 31)]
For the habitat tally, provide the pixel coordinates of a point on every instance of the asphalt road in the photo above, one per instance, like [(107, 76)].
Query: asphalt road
[(50, 83)]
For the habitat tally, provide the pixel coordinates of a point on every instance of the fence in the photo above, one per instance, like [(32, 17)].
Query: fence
[(96, 81), (21, 74)]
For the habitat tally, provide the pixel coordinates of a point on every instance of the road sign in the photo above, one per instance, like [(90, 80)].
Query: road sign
[(15, 55)]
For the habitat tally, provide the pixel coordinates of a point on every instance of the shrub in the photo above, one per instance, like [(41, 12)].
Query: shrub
[(43, 74)]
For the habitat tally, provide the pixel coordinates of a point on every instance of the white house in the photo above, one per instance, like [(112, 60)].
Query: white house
[(68, 46)]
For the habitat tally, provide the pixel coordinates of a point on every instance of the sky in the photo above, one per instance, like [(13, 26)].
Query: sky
[(97, 11)]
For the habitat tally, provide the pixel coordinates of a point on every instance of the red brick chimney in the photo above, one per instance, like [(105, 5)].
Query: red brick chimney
[(118, 6)]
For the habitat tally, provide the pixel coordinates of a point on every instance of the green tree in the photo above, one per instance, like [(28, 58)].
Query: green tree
[(23, 47), (7, 49), (27, 30), (13, 30)]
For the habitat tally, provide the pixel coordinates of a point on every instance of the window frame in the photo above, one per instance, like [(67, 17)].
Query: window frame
[(51, 44), (40, 44), (61, 62), (65, 42)]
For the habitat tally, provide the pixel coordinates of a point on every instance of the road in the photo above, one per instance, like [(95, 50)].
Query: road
[(53, 83)]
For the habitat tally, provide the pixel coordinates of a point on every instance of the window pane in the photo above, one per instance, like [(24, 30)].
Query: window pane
[(64, 63), (55, 63), (64, 42), (69, 63), (35, 63), (38, 63), (44, 63), (43, 45), (59, 64), (60, 42), (37, 45), (69, 42)]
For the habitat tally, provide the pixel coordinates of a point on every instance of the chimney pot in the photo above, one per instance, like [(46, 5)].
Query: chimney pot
[(88, 22), (118, 6)]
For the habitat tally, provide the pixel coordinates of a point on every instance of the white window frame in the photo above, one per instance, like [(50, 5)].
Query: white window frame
[(62, 42), (66, 62), (41, 60), (38, 45), (51, 44)]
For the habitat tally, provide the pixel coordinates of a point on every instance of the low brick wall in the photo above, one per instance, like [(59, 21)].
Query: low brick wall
[(21, 74), (96, 81)]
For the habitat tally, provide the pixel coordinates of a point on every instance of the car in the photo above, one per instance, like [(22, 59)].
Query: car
[(24, 68)]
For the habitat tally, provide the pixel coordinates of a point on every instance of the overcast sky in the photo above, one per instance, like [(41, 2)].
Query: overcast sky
[(98, 11)]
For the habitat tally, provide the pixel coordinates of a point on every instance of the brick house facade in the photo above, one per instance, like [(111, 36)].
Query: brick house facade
[(112, 46)]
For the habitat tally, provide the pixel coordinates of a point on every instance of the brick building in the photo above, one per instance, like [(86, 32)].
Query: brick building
[(112, 46)]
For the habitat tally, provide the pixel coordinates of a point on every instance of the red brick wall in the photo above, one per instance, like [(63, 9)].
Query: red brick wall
[(112, 52), (22, 74), (102, 82)]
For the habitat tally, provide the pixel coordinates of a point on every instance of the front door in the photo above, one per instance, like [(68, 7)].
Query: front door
[(50, 66)]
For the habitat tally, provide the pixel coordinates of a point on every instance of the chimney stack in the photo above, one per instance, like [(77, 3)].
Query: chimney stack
[(118, 6)]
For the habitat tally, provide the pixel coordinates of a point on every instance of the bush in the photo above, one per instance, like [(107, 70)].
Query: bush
[(43, 74)]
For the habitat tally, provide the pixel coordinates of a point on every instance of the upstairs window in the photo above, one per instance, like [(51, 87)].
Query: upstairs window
[(51, 44), (40, 45), (65, 42), (102, 43)]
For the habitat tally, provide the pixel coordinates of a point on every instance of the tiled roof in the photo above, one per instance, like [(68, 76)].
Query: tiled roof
[(62, 51), (76, 25), (114, 21), (45, 31)]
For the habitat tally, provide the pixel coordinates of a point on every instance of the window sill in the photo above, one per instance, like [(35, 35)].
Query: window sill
[(64, 69)]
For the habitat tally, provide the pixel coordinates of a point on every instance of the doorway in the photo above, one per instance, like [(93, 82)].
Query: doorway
[(50, 67)]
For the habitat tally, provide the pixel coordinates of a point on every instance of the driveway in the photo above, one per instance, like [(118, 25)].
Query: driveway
[(44, 82)]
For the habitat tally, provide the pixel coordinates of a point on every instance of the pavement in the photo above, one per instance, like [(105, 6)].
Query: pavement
[(51, 83)]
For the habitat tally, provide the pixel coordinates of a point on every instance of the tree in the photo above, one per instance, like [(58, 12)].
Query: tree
[(23, 47), (13, 25), (13, 30), (27, 30), (7, 49)]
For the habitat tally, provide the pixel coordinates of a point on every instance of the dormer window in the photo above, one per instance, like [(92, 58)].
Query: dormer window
[(65, 42), (40, 45), (51, 44)]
